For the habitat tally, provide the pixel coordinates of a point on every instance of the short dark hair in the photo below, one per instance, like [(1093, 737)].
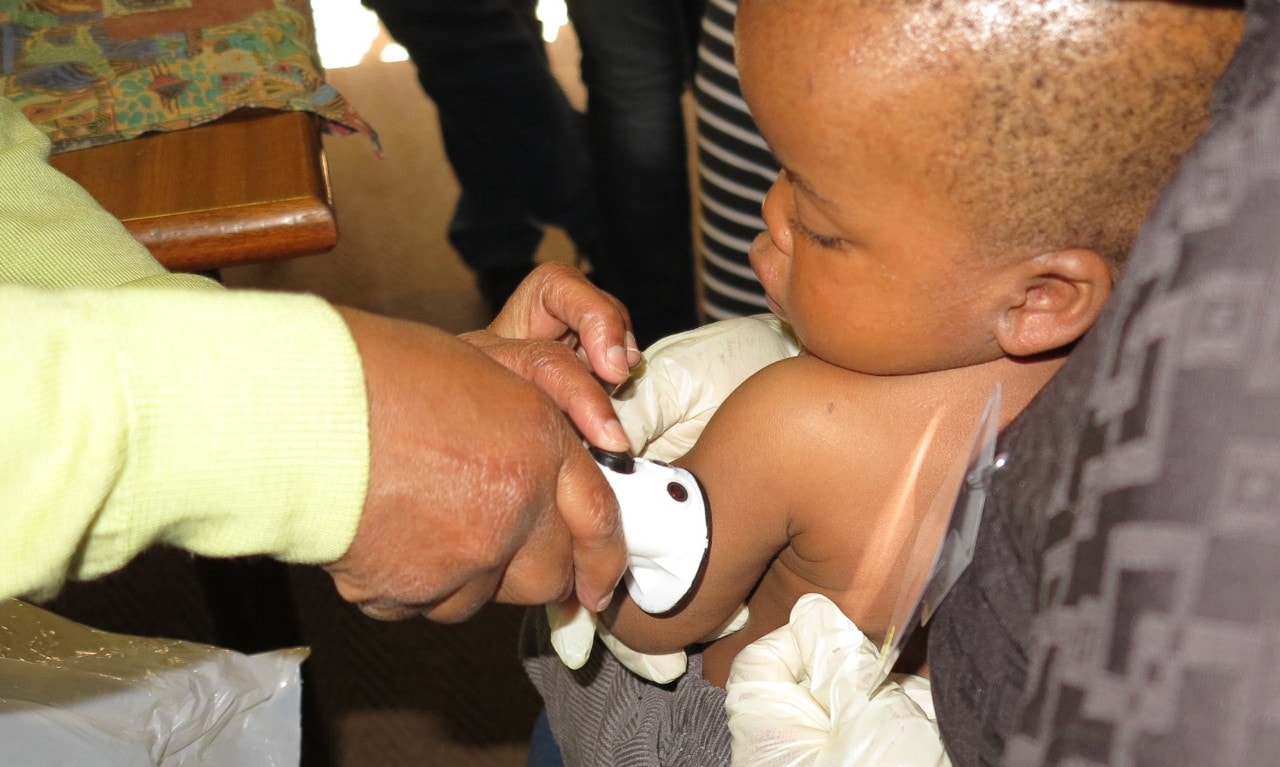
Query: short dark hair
[(1080, 114)]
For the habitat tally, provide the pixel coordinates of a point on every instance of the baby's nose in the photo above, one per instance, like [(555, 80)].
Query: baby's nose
[(766, 258)]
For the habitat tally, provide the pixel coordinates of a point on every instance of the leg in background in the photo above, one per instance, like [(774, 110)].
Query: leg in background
[(516, 145), (637, 63)]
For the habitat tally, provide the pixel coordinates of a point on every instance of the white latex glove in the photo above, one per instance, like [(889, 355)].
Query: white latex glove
[(685, 377), (799, 696), (573, 630), (663, 408)]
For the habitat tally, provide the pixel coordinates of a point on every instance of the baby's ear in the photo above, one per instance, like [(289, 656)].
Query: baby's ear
[(1059, 297)]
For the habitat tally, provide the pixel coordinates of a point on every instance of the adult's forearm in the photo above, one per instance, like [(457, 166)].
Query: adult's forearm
[(223, 423)]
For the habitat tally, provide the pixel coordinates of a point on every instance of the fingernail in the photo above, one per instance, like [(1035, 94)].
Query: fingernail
[(618, 360), (633, 350), (617, 435), (604, 603)]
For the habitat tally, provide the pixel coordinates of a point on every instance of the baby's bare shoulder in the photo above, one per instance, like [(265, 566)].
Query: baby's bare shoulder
[(762, 432), (822, 422), (794, 413), (803, 388)]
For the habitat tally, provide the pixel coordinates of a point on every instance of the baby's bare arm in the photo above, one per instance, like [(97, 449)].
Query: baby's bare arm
[(743, 463), (793, 464), (810, 465)]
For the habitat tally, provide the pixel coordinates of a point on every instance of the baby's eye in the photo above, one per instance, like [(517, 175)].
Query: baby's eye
[(821, 240)]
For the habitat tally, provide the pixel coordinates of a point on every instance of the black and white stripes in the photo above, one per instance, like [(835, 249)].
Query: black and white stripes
[(735, 170)]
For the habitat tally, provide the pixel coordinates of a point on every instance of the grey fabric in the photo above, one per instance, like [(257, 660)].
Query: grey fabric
[(602, 714), (1122, 606)]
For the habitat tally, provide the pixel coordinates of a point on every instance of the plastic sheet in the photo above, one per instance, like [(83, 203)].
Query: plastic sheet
[(72, 695)]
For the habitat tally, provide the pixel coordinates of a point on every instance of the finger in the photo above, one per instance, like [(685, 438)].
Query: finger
[(774, 657), (603, 332), (523, 316), (513, 320), (556, 298), (590, 513), (455, 601), (558, 371), (576, 392)]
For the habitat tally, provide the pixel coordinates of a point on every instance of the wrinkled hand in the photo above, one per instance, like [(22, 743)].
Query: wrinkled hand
[(686, 376), (478, 488), (802, 695), (557, 330)]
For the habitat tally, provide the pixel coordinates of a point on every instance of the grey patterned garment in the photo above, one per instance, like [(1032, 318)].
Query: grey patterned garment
[(1123, 607), (603, 714)]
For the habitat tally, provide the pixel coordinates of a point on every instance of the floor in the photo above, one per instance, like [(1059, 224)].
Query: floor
[(406, 693)]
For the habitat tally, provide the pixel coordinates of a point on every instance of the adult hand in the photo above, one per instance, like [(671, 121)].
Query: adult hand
[(479, 489), (562, 333)]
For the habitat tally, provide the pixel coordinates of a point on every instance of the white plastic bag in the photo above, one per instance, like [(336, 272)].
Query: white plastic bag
[(72, 695)]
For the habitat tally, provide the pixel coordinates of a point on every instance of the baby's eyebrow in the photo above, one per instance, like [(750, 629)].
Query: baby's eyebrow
[(804, 184)]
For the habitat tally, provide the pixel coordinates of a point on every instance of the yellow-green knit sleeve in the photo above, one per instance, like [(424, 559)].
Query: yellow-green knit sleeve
[(225, 423), (52, 233), (222, 423)]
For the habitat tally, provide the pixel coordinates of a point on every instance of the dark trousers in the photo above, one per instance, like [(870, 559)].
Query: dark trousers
[(516, 145), (638, 58)]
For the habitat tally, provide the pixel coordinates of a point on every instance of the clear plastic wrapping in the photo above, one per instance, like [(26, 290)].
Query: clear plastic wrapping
[(70, 694)]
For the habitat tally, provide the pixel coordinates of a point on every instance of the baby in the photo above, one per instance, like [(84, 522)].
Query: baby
[(961, 182)]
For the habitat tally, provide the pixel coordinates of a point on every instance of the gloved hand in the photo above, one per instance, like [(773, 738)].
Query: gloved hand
[(799, 696), (573, 630), (684, 378), (663, 408)]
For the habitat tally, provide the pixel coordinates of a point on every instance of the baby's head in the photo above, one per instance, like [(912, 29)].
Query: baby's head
[(963, 178)]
